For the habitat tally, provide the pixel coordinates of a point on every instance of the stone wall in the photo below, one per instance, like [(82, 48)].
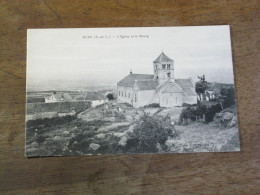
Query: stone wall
[(59, 107)]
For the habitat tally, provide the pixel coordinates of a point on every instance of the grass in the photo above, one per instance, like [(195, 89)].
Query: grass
[(73, 136), (198, 137)]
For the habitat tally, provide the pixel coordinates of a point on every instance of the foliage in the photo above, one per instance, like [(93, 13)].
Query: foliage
[(190, 112), (209, 109), (35, 99), (110, 96), (40, 139), (201, 86), (49, 121), (147, 134), (227, 96), (84, 135)]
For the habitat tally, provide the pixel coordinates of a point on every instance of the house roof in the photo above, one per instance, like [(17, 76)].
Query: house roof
[(57, 96), (150, 84), (62, 96), (146, 82), (187, 86), (172, 87), (129, 80), (163, 58), (67, 97)]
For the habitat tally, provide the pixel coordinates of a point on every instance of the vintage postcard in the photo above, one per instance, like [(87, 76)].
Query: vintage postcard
[(95, 91)]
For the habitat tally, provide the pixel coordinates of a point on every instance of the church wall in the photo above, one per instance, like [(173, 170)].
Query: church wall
[(171, 99), (190, 99), (125, 95), (144, 98)]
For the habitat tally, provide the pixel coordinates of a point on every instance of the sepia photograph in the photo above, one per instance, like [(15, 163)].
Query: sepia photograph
[(139, 90)]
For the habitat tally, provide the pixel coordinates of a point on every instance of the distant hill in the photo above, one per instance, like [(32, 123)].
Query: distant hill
[(68, 87), (218, 86)]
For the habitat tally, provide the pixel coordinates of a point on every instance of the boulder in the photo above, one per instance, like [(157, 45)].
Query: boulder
[(94, 146), (129, 118), (123, 141), (101, 135), (66, 133), (57, 138), (227, 116), (219, 114), (34, 145), (233, 122), (131, 129)]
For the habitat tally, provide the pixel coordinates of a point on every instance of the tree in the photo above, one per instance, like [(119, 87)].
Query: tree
[(147, 134), (110, 96), (227, 96), (201, 86)]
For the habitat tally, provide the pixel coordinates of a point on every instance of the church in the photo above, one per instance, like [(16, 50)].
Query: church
[(161, 88)]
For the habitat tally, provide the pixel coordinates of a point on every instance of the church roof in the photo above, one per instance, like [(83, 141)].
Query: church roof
[(163, 58), (147, 82), (187, 86), (129, 80), (172, 87), (150, 84)]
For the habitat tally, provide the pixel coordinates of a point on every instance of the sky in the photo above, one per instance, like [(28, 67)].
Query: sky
[(103, 56)]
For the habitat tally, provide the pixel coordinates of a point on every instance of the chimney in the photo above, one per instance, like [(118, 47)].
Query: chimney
[(131, 71)]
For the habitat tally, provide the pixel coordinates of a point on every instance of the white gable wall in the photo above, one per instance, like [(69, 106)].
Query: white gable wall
[(51, 99), (143, 98), (171, 99)]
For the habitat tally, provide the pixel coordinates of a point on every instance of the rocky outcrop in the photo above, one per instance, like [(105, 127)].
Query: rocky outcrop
[(226, 118)]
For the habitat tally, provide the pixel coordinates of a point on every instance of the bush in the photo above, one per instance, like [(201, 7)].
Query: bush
[(228, 96), (35, 99), (110, 96), (148, 134), (153, 105), (50, 121), (209, 110)]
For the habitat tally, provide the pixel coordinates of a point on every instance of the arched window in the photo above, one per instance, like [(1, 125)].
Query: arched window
[(118, 93), (168, 66)]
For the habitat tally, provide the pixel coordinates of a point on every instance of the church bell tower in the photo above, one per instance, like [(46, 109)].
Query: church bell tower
[(163, 68)]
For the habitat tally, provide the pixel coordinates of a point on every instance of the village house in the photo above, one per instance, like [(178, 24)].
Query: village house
[(58, 97), (162, 87)]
